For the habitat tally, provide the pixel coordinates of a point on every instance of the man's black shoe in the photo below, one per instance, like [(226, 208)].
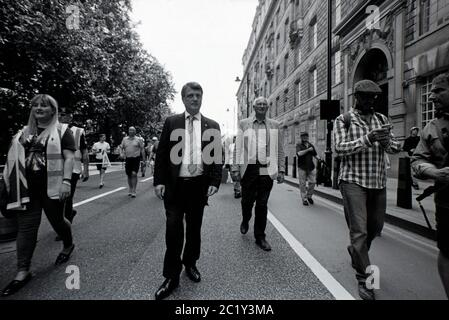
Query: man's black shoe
[(310, 201), (193, 273), (15, 286), (365, 293), (305, 203), (64, 257), (166, 288), (237, 195), (263, 244), (244, 227)]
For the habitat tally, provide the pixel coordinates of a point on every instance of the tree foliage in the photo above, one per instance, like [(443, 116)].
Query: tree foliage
[(88, 56)]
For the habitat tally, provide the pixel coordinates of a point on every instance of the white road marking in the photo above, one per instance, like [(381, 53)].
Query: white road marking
[(339, 209), (334, 287), (98, 197), (148, 179)]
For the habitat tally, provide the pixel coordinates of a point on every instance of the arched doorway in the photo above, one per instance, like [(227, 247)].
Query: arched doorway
[(374, 66)]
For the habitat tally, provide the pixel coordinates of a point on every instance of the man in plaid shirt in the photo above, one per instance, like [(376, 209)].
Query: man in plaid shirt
[(362, 138)]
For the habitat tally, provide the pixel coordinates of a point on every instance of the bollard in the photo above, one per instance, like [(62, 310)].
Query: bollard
[(404, 191), (286, 166), (337, 162), (294, 167)]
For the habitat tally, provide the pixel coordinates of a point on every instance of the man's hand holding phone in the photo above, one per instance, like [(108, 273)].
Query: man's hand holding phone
[(381, 135)]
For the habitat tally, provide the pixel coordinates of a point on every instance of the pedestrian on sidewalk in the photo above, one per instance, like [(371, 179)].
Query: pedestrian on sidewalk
[(185, 182), (133, 151), (431, 161), (410, 145), (153, 152), (38, 173), (101, 150), (143, 162), (258, 160), (81, 161), (236, 182), (362, 139), (306, 168)]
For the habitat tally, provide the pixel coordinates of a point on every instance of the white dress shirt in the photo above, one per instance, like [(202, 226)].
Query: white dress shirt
[(184, 171)]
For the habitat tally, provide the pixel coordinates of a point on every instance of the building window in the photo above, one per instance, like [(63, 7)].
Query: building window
[(298, 93), (313, 83), (313, 34), (286, 66), (278, 70), (442, 11), (337, 12), (299, 56), (410, 21), (424, 16), (285, 100), (276, 107), (337, 67), (427, 110), (278, 40), (277, 16), (286, 30)]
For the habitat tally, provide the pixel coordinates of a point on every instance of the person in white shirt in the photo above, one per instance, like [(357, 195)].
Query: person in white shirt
[(101, 150), (132, 150)]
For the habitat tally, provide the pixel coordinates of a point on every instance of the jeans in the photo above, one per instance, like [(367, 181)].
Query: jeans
[(307, 182), (29, 221), (364, 212), (256, 188)]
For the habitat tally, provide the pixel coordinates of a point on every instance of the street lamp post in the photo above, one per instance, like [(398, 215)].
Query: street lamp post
[(328, 181)]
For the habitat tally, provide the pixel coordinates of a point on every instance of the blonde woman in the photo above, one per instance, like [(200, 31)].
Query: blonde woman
[(38, 173)]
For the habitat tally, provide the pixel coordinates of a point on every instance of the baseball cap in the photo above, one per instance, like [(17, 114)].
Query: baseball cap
[(366, 86), (154, 139)]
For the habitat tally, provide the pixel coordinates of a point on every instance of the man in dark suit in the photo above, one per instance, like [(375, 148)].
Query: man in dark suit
[(187, 172)]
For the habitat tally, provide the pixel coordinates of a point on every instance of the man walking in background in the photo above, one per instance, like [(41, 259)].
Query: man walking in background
[(362, 139), (409, 146), (101, 150), (258, 160), (306, 172), (133, 151)]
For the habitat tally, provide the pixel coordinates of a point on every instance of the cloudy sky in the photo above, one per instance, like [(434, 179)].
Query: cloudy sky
[(199, 40)]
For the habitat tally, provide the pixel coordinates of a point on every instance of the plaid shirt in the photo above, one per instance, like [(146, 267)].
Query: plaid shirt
[(362, 162)]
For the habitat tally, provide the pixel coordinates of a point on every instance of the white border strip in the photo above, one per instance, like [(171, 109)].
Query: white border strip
[(334, 287), (98, 197), (145, 180)]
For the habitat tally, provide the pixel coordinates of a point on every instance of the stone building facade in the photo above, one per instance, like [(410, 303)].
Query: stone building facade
[(400, 44)]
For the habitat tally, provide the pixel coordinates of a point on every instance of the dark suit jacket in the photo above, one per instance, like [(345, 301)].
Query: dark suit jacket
[(166, 171)]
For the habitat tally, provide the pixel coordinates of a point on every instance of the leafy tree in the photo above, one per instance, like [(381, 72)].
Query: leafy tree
[(87, 55)]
